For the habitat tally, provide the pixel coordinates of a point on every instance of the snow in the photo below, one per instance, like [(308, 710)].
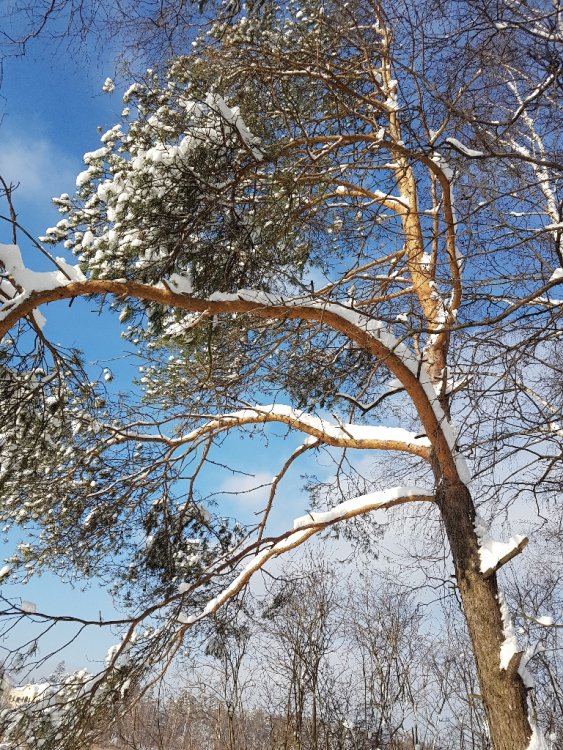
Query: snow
[(492, 552), (99, 153), (82, 178), (510, 644), (27, 693), (363, 435), (548, 302), (545, 620), (464, 149), (5, 571), (557, 274), (450, 385), (310, 441), (51, 705), (439, 160), (538, 741), (7, 287), (380, 195), (125, 687), (28, 607), (133, 89), (233, 117), (35, 281), (184, 619), (39, 319), (181, 284), (529, 653), (112, 653), (361, 504), (393, 384), (116, 655)]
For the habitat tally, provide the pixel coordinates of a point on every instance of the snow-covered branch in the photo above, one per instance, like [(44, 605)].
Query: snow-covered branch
[(304, 528), (371, 334), (494, 554), (379, 437), (31, 282)]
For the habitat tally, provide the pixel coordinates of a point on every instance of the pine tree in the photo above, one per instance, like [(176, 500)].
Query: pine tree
[(405, 164)]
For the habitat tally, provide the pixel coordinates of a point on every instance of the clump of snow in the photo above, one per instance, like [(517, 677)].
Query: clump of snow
[(527, 656), (117, 655), (492, 552), (510, 644), (426, 261), (184, 619), (232, 116), (447, 170), (29, 607), (37, 281), (5, 572), (179, 283), (311, 441), (545, 620), (538, 740), (464, 149), (557, 274), (356, 505), (39, 318), (108, 86), (29, 693), (34, 281)]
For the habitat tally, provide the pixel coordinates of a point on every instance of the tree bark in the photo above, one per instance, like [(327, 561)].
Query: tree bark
[(502, 690)]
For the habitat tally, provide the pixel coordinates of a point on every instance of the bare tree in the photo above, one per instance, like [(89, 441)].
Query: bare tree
[(386, 636), (301, 622)]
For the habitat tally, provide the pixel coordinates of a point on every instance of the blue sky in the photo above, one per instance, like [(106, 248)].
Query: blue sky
[(50, 112)]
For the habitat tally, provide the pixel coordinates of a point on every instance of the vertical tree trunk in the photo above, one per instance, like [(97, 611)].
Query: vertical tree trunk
[(314, 729), (503, 690)]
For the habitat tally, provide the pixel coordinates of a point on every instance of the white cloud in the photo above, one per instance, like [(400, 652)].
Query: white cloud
[(249, 489), (41, 168)]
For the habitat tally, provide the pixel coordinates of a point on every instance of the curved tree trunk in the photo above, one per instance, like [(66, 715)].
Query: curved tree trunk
[(503, 690)]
